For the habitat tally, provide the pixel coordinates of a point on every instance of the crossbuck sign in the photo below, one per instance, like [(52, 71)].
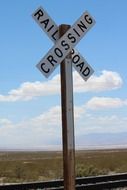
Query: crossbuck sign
[(63, 53), (65, 44)]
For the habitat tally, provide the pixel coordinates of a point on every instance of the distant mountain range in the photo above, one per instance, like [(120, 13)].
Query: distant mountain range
[(104, 140), (88, 141)]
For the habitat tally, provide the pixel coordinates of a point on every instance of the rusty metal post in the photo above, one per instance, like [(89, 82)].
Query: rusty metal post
[(67, 118)]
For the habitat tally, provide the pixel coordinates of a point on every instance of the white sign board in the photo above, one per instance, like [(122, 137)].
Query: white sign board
[(64, 45)]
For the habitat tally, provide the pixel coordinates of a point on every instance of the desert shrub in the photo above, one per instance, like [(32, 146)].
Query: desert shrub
[(89, 170)]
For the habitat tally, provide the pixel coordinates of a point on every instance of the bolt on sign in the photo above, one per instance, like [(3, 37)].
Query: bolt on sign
[(65, 44)]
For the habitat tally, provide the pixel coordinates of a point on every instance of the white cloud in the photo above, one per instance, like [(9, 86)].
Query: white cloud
[(46, 129), (39, 132), (30, 90), (101, 124), (108, 80), (42, 130), (78, 111), (5, 122), (105, 102), (50, 118)]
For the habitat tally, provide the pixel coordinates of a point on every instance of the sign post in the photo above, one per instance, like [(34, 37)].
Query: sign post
[(67, 118), (65, 39)]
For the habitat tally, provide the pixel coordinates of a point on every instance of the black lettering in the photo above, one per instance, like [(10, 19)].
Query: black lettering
[(51, 60), (39, 14), (82, 26), (75, 59), (86, 71), (58, 52), (53, 35), (76, 32), (72, 38), (80, 65), (43, 69), (64, 44), (45, 22), (88, 19), (50, 28)]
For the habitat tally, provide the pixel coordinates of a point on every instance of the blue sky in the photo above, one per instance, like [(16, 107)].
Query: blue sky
[(30, 104)]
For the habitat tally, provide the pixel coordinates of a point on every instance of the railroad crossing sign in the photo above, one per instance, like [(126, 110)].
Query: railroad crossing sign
[(65, 39), (65, 44)]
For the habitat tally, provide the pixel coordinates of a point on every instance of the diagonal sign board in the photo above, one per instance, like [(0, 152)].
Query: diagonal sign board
[(51, 29), (64, 45)]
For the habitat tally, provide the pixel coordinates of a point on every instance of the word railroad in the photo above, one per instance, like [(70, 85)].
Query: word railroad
[(65, 44)]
